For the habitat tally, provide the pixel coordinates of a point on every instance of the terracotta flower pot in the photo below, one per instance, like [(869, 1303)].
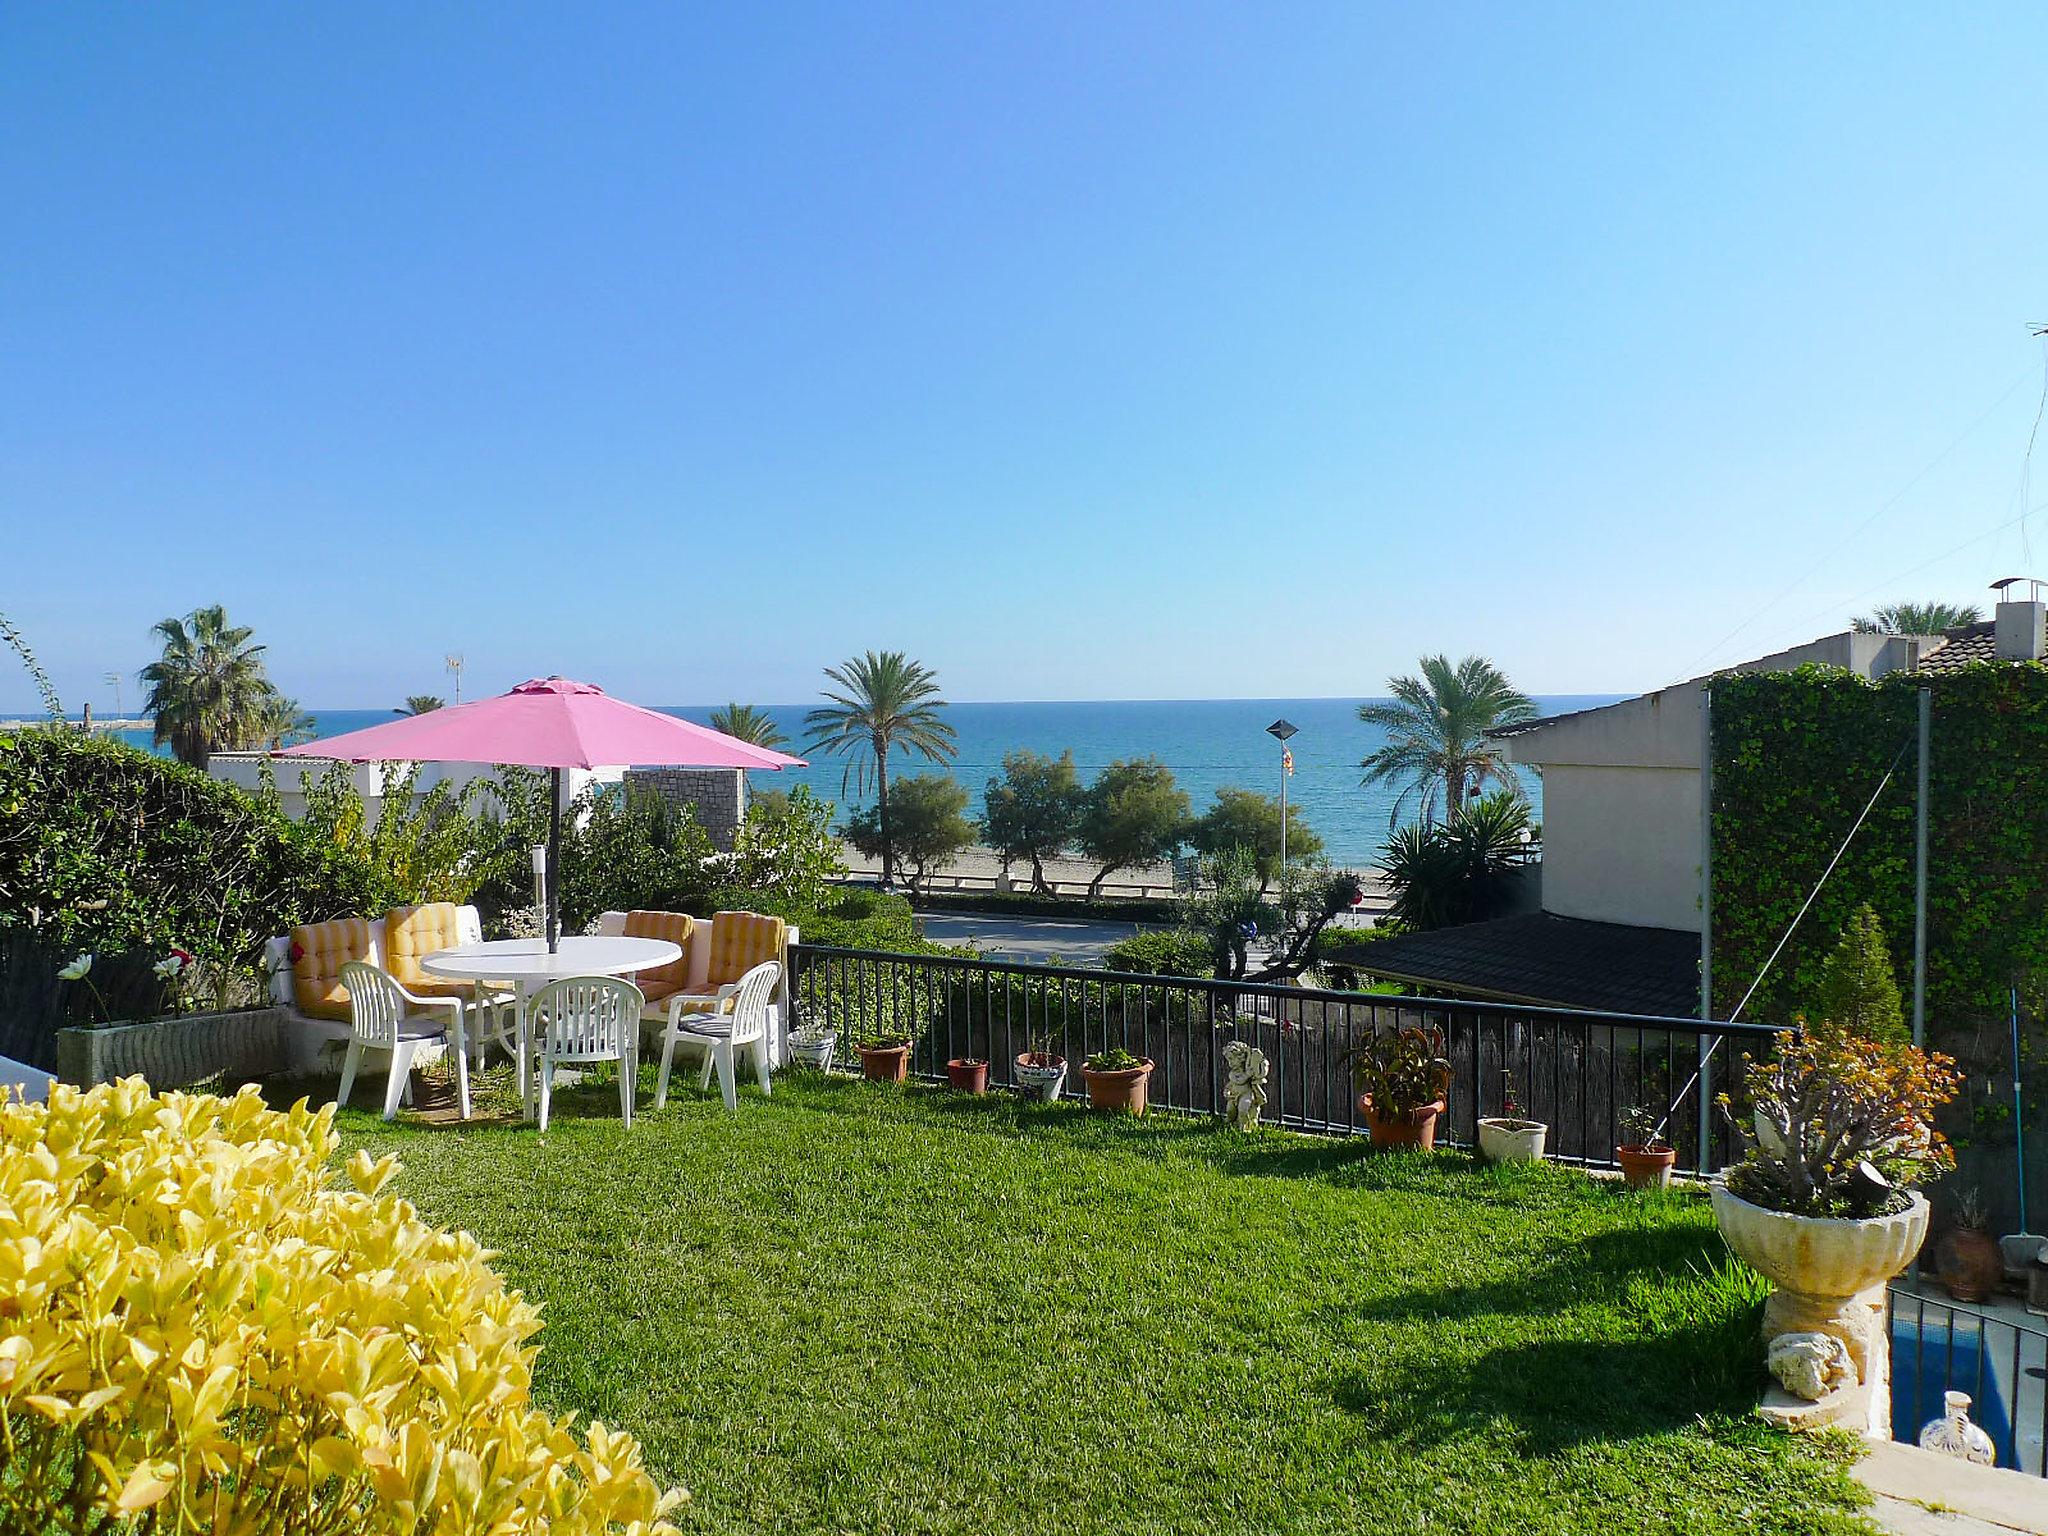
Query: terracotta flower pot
[(884, 1063), (1121, 1090), (967, 1074), (1040, 1075), (1416, 1128), (1969, 1263), (1646, 1167)]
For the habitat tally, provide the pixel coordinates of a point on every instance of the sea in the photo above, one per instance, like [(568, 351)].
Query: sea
[(1209, 744)]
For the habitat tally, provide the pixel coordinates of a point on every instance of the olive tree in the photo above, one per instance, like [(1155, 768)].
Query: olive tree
[(1133, 814), (1032, 810), (927, 827)]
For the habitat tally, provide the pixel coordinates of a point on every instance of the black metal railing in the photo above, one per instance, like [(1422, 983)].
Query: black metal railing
[(2001, 1361), (1577, 1071)]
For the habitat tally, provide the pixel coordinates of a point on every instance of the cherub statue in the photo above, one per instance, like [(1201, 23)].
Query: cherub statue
[(1244, 1088)]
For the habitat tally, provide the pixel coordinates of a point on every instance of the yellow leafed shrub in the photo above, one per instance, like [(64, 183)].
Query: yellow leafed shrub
[(204, 1329)]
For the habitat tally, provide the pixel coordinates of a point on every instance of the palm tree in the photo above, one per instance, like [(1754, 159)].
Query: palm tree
[(281, 723), (1436, 727), (209, 691), (884, 701), (420, 704), (1917, 618), (744, 722)]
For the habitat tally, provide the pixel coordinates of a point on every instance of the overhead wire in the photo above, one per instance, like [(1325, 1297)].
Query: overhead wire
[(1890, 502)]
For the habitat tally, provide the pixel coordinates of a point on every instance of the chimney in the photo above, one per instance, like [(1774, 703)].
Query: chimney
[(2021, 631)]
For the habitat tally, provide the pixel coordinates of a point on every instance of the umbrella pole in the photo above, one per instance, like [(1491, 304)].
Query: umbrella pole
[(554, 914)]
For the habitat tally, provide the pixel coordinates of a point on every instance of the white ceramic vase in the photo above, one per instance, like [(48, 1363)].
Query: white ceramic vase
[(1954, 1434)]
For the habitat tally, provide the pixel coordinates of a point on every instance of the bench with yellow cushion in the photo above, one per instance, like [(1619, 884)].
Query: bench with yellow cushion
[(663, 981), (317, 953), (739, 942), (413, 933)]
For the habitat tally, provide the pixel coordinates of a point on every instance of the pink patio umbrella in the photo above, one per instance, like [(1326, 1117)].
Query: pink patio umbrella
[(551, 723)]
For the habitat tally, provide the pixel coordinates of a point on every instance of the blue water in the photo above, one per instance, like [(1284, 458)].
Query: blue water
[(1209, 743)]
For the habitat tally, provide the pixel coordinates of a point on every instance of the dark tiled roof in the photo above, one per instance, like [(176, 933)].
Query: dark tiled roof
[(1540, 958), (1961, 647)]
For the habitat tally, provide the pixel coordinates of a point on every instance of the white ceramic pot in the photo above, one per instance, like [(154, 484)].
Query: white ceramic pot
[(1037, 1081), (813, 1050), (1821, 1255), (1512, 1141)]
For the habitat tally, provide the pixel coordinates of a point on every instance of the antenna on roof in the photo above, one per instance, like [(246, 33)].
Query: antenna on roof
[(453, 660)]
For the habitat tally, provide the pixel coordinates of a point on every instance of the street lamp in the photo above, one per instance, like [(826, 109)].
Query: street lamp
[(1280, 730)]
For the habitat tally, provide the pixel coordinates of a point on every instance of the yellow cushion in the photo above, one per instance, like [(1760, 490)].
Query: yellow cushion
[(708, 1002), (740, 941), (318, 952), (677, 928), (413, 933)]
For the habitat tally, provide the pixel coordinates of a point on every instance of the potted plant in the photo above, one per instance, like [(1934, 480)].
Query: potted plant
[(1646, 1158), (1116, 1080), (883, 1058), (1822, 1202), (1968, 1260), (969, 1074), (812, 1045), (1402, 1079), (1509, 1137), (1040, 1073)]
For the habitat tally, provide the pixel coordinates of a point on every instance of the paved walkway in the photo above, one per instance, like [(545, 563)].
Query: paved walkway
[(1917, 1493)]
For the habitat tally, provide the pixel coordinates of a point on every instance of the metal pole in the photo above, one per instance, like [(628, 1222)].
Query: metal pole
[(1920, 872), (1704, 1046), (554, 918), (1283, 822)]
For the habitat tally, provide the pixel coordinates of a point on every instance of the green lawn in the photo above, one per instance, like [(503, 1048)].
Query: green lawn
[(864, 1309)]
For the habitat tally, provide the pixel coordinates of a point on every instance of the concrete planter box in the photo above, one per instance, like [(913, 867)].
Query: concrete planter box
[(176, 1052)]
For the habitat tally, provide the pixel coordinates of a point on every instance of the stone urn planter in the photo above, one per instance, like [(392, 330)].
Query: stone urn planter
[(1118, 1090), (1825, 1270), (1505, 1139), (813, 1048), (1041, 1075), (1415, 1129), (888, 1062), (178, 1051), (968, 1074)]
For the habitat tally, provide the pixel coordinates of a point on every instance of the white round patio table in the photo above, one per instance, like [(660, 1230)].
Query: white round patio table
[(528, 966)]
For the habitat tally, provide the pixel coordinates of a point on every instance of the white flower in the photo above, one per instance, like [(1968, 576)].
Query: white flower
[(168, 968), (76, 970)]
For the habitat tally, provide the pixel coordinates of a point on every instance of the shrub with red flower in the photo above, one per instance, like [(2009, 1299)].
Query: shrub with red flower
[(1841, 1126)]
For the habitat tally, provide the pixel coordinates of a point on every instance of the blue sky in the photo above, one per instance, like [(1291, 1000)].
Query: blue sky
[(1083, 351)]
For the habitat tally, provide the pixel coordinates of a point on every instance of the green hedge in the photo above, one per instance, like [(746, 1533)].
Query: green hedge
[(107, 848), (1169, 952), (1796, 756), (1113, 909)]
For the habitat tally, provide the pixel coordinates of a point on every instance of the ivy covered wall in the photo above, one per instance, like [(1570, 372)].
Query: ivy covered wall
[(1796, 756)]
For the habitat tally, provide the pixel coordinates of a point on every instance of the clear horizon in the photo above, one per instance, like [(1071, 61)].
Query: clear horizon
[(1153, 353)]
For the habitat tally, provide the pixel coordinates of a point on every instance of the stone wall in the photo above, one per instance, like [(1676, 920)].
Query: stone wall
[(177, 1051), (717, 795)]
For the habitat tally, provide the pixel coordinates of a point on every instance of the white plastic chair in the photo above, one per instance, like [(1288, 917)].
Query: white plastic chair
[(383, 1016), (587, 1018), (721, 1034)]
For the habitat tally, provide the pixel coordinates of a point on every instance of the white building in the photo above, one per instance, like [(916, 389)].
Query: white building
[(1624, 838)]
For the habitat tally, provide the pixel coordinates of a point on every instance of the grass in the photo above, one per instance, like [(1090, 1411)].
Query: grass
[(852, 1308)]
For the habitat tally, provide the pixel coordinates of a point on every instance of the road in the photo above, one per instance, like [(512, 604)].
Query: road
[(1032, 940)]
